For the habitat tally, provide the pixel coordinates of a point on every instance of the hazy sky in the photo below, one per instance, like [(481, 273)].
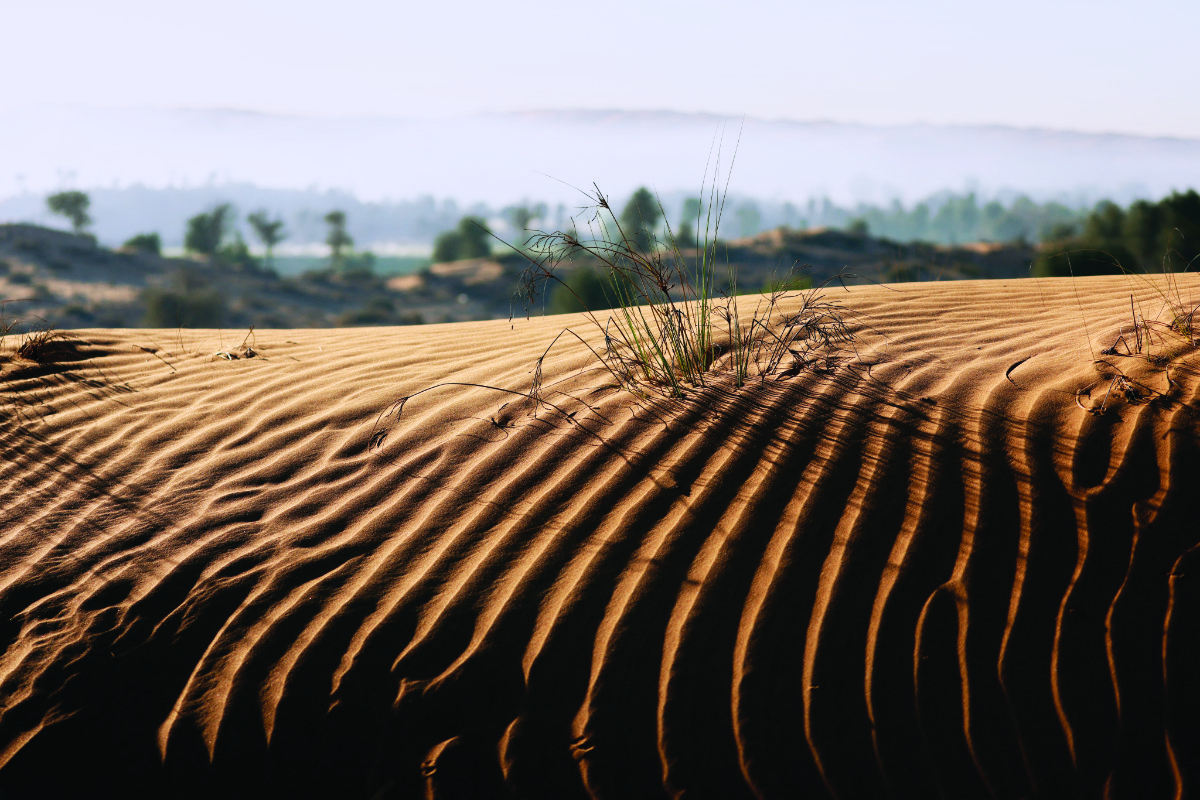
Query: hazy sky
[(1087, 65)]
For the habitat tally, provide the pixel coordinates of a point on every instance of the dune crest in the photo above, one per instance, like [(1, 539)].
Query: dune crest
[(931, 568)]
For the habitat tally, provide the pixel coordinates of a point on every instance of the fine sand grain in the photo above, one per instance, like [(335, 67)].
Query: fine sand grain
[(928, 568)]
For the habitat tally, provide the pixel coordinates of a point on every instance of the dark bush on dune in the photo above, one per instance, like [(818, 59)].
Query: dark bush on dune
[(379, 311), (144, 243), (184, 307), (237, 254)]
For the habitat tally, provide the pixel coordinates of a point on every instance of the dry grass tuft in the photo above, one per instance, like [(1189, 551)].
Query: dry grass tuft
[(38, 344), (41, 346), (671, 329), (1158, 339)]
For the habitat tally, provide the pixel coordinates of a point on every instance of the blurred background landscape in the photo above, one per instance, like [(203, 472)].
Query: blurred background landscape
[(205, 168)]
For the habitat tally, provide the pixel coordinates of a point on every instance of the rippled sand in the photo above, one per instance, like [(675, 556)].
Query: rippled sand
[(926, 569)]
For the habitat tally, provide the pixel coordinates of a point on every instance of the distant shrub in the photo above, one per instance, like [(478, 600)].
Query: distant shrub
[(901, 273), (357, 275), (379, 311), (144, 243), (792, 283), (358, 267), (324, 275), (187, 308), (237, 253)]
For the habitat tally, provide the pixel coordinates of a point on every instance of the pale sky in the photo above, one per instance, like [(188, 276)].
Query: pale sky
[(1083, 65)]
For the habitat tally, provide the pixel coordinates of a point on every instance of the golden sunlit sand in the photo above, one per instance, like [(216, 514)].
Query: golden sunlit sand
[(927, 568)]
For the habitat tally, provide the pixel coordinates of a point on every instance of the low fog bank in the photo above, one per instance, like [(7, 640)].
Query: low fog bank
[(400, 181)]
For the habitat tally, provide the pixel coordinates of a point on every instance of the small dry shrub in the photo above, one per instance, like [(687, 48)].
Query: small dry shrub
[(670, 328)]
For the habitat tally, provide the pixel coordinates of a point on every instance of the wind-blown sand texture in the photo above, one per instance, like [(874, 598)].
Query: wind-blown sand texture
[(921, 571)]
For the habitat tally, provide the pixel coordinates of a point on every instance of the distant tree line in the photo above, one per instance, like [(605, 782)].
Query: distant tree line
[(958, 219), (209, 235), (943, 218), (1138, 235), (1147, 237)]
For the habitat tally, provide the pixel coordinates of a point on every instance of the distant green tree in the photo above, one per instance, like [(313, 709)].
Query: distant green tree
[(445, 247), (991, 217), (889, 222), (269, 232), (520, 217), (749, 219), (1105, 225), (469, 240), (144, 243), (1057, 222), (1181, 222), (474, 238), (685, 233), (338, 240), (1019, 222), (73, 206), (968, 217), (640, 217), (1059, 231), (919, 222), (206, 231), (791, 216), (1145, 232), (945, 224), (956, 221), (858, 227)]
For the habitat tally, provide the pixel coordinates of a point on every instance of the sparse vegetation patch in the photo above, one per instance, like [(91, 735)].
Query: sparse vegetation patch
[(674, 325)]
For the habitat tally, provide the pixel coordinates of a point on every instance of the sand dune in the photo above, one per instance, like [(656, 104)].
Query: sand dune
[(925, 570)]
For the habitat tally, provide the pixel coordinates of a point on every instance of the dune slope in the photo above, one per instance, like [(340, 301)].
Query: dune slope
[(924, 569)]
